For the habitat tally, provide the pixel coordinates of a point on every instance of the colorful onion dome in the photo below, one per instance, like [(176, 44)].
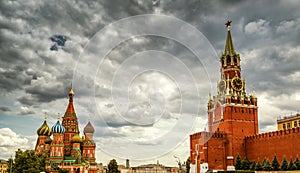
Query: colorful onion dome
[(76, 139), (48, 140), (44, 130), (58, 128), (88, 128)]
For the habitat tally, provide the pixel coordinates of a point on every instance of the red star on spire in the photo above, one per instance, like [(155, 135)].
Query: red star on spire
[(228, 23)]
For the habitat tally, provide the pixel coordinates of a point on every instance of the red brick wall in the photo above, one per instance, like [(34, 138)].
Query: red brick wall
[(211, 149), (237, 122), (282, 143)]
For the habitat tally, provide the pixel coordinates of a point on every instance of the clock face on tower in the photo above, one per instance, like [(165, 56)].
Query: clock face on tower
[(237, 83), (222, 86)]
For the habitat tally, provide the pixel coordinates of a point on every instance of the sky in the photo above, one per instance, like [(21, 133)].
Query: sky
[(141, 70)]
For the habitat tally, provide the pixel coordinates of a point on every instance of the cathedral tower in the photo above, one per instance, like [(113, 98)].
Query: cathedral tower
[(57, 145), (70, 123), (43, 132), (89, 144)]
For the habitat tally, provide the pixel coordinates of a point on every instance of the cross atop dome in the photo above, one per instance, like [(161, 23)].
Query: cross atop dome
[(71, 92)]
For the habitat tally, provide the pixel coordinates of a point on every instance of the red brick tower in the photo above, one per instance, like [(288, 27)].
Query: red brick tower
[(232, 111), (232, 115), (70, 123)]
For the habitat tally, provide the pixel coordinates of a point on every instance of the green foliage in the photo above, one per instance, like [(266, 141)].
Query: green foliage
[(258, 166), (291, 165), (253, 165), (238, 163), (113, 166), (245, 164), (297, 163), (28, 161), (187, 164), (284, 164), (275, 164), (264, 162), (266, 165)]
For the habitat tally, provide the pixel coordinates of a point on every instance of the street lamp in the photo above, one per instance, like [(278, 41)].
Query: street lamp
[(178, 161), (10, 164)]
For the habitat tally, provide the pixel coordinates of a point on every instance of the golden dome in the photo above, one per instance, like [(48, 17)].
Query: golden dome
[(76, 139), (71, 92), (44, 130)]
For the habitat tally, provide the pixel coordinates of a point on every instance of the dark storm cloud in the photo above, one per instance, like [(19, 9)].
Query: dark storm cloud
[(12, 79), (45, 92), (5, 109)]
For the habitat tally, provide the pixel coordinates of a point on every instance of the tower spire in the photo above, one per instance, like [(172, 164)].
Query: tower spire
[(45, 116), (70, 109), (229, 49)]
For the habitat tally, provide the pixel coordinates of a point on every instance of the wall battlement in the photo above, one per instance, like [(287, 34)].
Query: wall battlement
[(274, 134), (282, 143)]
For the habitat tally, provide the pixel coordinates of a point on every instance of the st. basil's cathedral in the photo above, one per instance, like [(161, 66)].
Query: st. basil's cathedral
[(67, 150)]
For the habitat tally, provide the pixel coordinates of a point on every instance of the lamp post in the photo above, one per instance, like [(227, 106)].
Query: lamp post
[(179, 164), (10, 164)]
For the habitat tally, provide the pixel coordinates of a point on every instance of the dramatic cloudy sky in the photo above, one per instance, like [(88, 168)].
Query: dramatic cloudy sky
[(143, 80)]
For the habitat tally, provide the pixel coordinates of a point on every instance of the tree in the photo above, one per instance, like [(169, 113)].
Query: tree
[(258, 166), (291, 165), (284, 164), (238, 163), (266, 166), (253, 165), (297, 163), (275, 164), (245, 164), (113, 166), (187, 164), (28, 161), (264, 162)]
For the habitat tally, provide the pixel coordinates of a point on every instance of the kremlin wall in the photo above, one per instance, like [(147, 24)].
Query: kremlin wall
[(283, 143)]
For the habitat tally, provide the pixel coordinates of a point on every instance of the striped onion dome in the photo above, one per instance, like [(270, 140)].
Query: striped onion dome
[(58, 128), (44, 130), (88, 128), (76, 139)]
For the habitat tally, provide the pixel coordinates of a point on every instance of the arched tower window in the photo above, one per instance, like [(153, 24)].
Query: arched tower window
[(235, 60), (228, 60)]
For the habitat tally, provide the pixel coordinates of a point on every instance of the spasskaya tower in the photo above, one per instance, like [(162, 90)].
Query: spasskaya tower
[(232, 115)]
